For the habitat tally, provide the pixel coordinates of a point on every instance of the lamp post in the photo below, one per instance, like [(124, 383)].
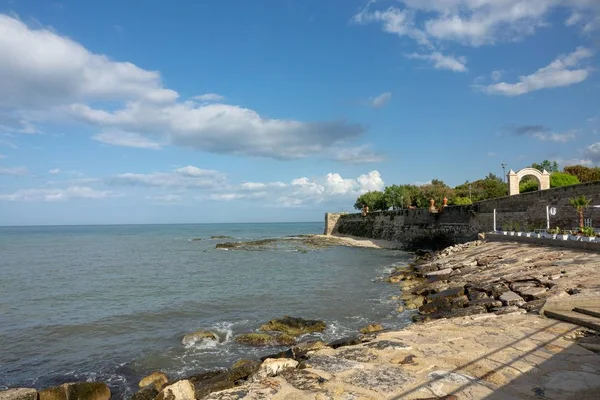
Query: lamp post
[(503, 172)]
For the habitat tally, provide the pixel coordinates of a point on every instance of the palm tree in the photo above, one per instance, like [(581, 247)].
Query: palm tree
[(580, 203)]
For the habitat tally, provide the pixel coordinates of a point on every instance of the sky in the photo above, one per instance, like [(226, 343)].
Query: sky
[(116, 112)]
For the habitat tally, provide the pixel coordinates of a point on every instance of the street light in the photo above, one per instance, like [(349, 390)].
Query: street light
[(503, 172)]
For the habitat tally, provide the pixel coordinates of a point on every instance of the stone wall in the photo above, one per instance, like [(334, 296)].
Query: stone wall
[(418, 228)]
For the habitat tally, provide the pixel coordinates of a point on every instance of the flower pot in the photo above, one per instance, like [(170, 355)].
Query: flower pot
[(504, 233), (574, 237), (590, 238), (519, 233), (553, 235), (511, 233), (563, 237)]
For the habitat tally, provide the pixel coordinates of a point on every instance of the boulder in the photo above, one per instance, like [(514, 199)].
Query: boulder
[(77, 390), (347, 341), (198, 336), (157, 379), (19, 394), (371, 328), (211, 381), (477, 295), (180, 390), (273, 366), (294, 326), (444, 304), (241, 371), (448, 294), (264, 339), (510, 298), (147, 393), (312, 345), (487, 260)]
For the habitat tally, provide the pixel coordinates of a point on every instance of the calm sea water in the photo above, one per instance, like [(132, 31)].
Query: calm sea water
[(112, 303)]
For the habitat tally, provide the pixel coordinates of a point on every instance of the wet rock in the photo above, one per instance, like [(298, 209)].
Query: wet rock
[(198, 336), (147, 393), (302, 379), (77, 390), (294, 326), (387, 345), (382, 380), (423, 269), (511, 299), (180, 390), (444, 304), (243, 369), (312, 345), (263, 339), (228, 245), (209, 382), (221, 237), (371, 328), (157, 379), (196, 239), (453, 293), (294, 353), (274, 366), (347, 341), (19, 394), (477, 295), (400, 309), (331, 364), (459, 312)]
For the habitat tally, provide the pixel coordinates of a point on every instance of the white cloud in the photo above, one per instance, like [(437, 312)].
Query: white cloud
[(574, 161), (54, 171), (8, 143), (440, 61), (370, 182), (381, 100), (126, 139), (72, 192), (209, 97), (496, 75), (475, 22), (358, 155), (563, 71), (189, 177), (58, 78), (593, 152), (167, 198), (2, 156), (18, 171), (556, 137)]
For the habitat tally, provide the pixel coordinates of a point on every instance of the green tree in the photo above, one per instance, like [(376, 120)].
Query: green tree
[(489, 187), (397, 196), (461, 201), (580, 203), (529, 185), (435, 190), (374, 200), (550, 166), (558, 179), (584, 174)]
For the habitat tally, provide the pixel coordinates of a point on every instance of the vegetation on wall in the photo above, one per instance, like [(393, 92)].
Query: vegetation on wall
[(490, 187)]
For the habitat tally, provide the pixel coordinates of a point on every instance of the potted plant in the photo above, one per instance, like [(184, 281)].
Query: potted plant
[(589, 235), (505, 229), (511, 228), (518, 229), (563, 235), (573, 235), (553, 233)]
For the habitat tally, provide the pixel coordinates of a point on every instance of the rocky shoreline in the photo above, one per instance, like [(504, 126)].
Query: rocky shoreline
[(478, 335)]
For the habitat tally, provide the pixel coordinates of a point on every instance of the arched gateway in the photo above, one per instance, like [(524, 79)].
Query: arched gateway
[(514, 178)]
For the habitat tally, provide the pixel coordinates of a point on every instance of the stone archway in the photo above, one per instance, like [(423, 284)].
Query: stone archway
[(515, 177)]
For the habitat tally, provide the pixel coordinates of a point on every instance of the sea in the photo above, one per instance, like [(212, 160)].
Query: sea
[(112, 303)]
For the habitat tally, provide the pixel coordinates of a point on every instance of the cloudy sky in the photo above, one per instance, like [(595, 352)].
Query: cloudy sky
[(278, 110)]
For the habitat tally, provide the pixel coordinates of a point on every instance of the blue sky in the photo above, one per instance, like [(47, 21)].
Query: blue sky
[(280, 110)]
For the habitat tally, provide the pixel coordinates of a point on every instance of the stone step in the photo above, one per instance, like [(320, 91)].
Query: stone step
[(587, 311), (575, 318)]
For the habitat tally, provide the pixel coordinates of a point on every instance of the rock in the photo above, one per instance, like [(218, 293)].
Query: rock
[(371, 328), (180, 390), (486, 260), (19, 394), (534, 306), (331, 364), (77, 390), (302, 379), (228, 245), (532, 293), (476, 295), (209, 382), (197, 336), (294, 326), (481, 236), (383, 380), (510, 298), (400, 309), (360, 354), (441, 272), (312, 345), (388, 345), (487, 303), (406, 360), (274, 366), (507, 310), (448, 293), (157, 379), (242, 370), (444, 304), (196, 239), (147, 393), (424, 269), (221, 237), (263, 339), (347, 341)]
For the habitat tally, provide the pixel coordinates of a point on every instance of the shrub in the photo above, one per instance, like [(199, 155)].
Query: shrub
[(559, 179)]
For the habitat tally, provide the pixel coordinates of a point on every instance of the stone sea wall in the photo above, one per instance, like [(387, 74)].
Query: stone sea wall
[(421, 229)]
